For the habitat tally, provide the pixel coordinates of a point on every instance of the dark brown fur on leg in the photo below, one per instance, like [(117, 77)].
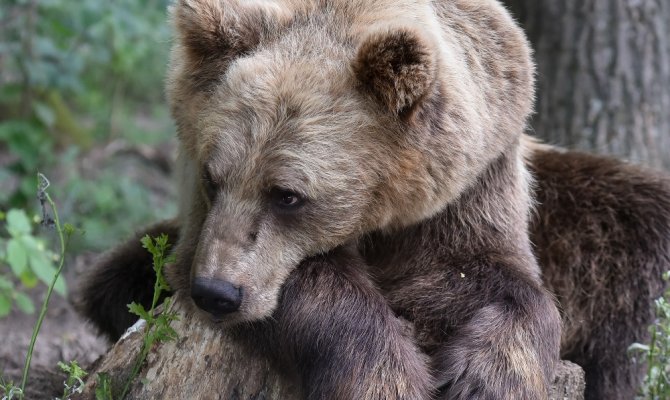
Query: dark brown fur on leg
[(123, 275), (602, 236), (469, 283), (507, 349), (339, 331)]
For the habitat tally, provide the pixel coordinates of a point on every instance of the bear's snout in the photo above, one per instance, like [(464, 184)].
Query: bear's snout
[(215, 296)]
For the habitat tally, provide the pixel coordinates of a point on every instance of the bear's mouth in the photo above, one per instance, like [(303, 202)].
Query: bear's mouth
[(219, 321)]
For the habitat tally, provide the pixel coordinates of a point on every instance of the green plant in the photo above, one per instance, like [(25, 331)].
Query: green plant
[(103, 388), (74, 383), (9, 390), (158, 327), (26, 259), (64, 233), (656, 384)]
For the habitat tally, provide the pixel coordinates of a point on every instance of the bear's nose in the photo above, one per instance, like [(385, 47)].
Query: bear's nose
[(215, 296)]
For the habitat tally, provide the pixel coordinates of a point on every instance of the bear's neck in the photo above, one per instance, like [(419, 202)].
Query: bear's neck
[(489, 218)]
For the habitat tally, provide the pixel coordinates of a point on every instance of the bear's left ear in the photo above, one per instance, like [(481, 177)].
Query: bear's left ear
[(398, 66)]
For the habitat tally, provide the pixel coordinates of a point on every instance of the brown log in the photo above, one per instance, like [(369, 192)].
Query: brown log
[(204, 363), (569, 383), (209, 363)]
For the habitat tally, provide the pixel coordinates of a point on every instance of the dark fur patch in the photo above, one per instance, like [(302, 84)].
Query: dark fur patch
[(397, 66), (338, 329), (602, 236), (121, 276), (468, 282)]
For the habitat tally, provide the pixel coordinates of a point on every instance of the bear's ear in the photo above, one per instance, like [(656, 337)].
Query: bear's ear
[(208, 31), (398, 66)]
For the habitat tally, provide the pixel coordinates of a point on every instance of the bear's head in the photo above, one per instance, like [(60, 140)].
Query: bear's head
[(304, 125)]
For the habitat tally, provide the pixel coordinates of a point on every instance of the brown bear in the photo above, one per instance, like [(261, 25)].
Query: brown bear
[(347, 163)]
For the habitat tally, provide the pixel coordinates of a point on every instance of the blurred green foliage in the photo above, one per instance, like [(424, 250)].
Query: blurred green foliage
[(75, 77), (29, 260)]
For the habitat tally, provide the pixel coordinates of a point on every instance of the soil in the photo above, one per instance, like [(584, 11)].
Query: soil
[(64, 336)]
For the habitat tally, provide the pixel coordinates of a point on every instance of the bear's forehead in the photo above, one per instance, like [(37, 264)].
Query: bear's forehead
[(271, 100), (282, 124)]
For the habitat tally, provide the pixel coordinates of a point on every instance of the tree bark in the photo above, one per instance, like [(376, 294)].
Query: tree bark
[(603, 70), (203, 363), (207, 363)]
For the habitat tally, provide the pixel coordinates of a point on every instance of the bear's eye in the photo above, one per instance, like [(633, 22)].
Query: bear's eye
[(285, 200), (208, 184)]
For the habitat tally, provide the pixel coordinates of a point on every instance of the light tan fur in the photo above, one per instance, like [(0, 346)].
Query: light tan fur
[(284, 107)]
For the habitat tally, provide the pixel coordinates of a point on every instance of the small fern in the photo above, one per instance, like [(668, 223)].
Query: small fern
[(158, 327)]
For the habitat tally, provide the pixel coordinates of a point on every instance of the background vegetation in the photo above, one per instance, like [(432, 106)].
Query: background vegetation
[(81, 100), (80, 94)]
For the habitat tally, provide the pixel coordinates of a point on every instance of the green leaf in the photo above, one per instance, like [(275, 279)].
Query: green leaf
[(17, 257), (5, 305), (45, 271), (103, 390), (61, 287), (148, 244), (139, 310), (24, 303), (6, 284), (72, 369), (18, 222), (45, 114), (68, 229), (28, 278), (32, 244)]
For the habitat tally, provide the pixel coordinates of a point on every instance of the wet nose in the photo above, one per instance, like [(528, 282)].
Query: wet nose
[(215, 296)]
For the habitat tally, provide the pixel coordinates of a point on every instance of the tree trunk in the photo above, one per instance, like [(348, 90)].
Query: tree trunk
[(206, 363), (603, 75)]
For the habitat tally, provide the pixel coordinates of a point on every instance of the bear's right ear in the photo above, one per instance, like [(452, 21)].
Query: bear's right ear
[(397, 65), (207, 32), (219, 31)]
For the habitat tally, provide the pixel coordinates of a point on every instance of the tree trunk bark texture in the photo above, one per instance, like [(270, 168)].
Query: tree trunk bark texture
[(603, 75), (203, 363), (207, 363)]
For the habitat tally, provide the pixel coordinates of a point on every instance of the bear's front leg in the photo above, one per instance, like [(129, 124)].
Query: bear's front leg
[(506, 350), (346, 342)]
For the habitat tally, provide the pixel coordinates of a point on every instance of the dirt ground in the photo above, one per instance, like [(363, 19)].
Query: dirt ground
[(64, 336)]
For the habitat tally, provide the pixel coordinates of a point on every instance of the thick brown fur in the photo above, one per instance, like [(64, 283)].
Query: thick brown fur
[(601, 230), (397, 126), (602, 236), (331, 315)]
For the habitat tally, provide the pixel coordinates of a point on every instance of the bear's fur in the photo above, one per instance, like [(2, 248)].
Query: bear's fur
[(602, 238), (601, 230), (344, 163)]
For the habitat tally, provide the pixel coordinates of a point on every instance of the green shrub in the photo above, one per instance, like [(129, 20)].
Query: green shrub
[(656, 385)]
